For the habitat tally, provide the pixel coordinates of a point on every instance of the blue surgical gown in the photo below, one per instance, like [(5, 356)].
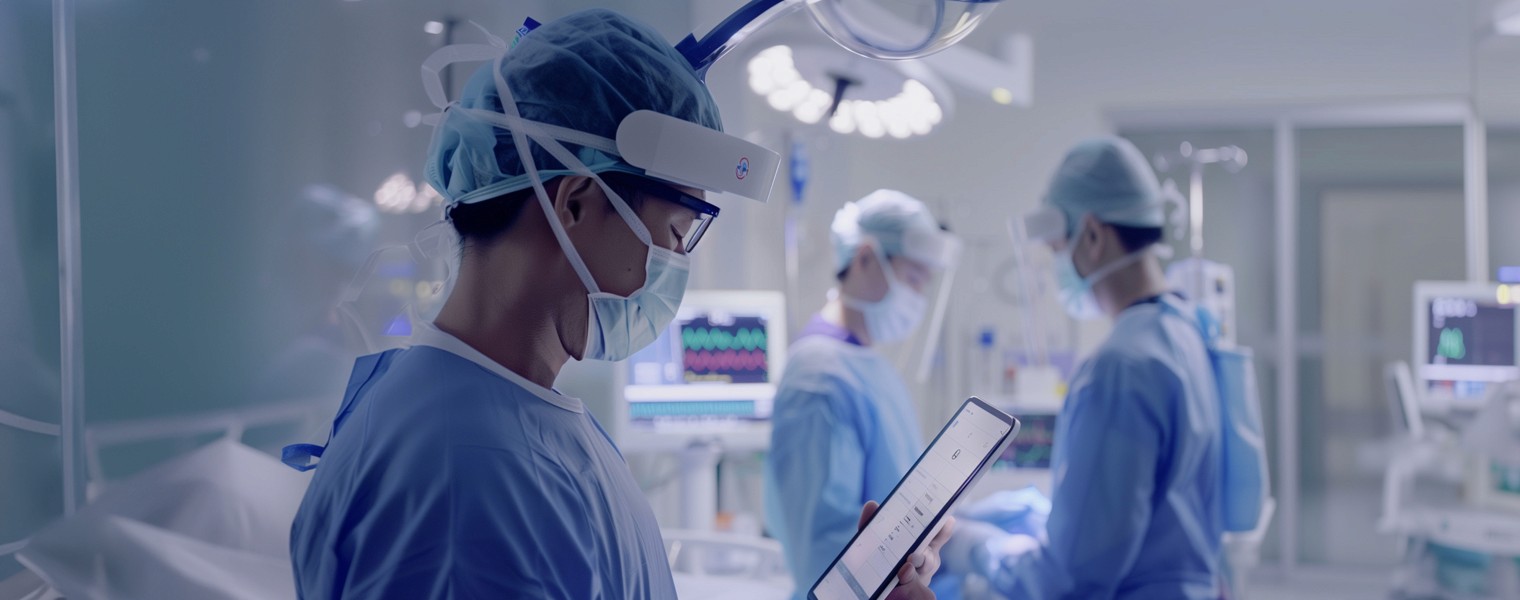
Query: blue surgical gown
[(1136, 503), (449, 476), (844, 432)]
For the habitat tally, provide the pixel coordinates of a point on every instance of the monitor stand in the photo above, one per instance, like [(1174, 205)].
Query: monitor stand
[(699, 483)]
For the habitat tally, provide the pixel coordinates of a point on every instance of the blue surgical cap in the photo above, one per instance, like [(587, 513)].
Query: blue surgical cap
[(1108, 177), (586, 71), (900, 223)]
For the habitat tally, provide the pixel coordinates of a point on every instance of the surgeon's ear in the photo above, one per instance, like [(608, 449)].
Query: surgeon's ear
[(1090, 238), (573, 197)]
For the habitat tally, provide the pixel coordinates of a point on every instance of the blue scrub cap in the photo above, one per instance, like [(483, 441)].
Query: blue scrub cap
[(902, 225), (1108, 177), (586, 71)]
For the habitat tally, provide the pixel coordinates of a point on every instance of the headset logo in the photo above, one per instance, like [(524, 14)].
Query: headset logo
[(742, 170)]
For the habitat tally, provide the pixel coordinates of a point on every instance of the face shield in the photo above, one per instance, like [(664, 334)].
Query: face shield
[(1042, 343), (1048, 223), (397, 287), (945, 253), (934, 248), (1032, 278), (1045, 225), (1031, 284), (939, 251)]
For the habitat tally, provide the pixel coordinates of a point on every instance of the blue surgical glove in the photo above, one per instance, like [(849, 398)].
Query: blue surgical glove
[(965, 553), (1014, 511)]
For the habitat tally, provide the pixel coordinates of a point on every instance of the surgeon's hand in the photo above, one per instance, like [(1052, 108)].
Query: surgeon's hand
[(913, 578), (982, 548)]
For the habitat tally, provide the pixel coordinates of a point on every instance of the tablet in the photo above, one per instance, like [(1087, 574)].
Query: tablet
[(914, 511)]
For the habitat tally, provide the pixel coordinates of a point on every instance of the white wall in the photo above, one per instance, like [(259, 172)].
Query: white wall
[(1497, 68), (1504, 195)]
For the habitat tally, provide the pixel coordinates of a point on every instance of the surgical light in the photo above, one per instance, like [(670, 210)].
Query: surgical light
[(912, 110), (398, 194), (433, 27), (843, 121)]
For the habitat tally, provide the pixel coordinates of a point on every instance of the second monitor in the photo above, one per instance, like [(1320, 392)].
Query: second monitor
[(716, 366), (1466, 337)]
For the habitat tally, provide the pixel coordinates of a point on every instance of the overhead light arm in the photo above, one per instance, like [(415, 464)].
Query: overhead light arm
[(841, 83)]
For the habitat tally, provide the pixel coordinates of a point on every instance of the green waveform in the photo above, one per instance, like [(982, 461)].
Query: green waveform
[(1451, 344), (702, 338)]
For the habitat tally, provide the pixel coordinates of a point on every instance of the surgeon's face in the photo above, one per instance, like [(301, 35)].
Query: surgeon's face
[(612, 252), (871, 283)]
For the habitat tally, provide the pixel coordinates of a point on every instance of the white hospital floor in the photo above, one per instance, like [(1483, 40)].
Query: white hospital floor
[(1338, 527), (1321, 583)]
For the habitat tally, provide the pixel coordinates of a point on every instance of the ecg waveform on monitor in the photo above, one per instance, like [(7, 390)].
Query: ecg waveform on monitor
[(704, 338), (725, 360), (731, 349), (1035, 444)]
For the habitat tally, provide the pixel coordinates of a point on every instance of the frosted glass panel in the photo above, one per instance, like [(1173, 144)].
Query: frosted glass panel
[(32, 490)]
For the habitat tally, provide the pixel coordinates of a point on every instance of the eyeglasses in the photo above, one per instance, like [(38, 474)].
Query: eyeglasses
[(706, 212)]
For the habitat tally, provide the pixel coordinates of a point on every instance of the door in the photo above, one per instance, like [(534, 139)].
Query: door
[(1375, 244)]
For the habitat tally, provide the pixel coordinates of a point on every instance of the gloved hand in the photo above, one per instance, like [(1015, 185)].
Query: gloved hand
[(980, 548), (991, 553), (961, 555), (1014, 511)]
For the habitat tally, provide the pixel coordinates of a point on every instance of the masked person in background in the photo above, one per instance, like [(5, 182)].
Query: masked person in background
[(1136, 508), (844, 429), (455, 470)]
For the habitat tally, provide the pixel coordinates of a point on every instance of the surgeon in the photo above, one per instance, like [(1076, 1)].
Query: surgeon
[(454, 469), (1136, 500), (844, 429)]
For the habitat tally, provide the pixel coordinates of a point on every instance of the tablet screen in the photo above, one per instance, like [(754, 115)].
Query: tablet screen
[(972, 439)]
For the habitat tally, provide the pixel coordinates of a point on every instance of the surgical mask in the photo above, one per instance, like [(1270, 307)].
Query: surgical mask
[(894, 317), (620, 326), (1077, 291), (617, 326)]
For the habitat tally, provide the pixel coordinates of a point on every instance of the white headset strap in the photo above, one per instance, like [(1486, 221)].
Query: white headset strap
[(521, 130), (1113, 267)]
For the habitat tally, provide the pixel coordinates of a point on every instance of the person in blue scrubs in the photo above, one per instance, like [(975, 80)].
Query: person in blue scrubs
[(454, 469), (1136, 500), (844, 428)]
